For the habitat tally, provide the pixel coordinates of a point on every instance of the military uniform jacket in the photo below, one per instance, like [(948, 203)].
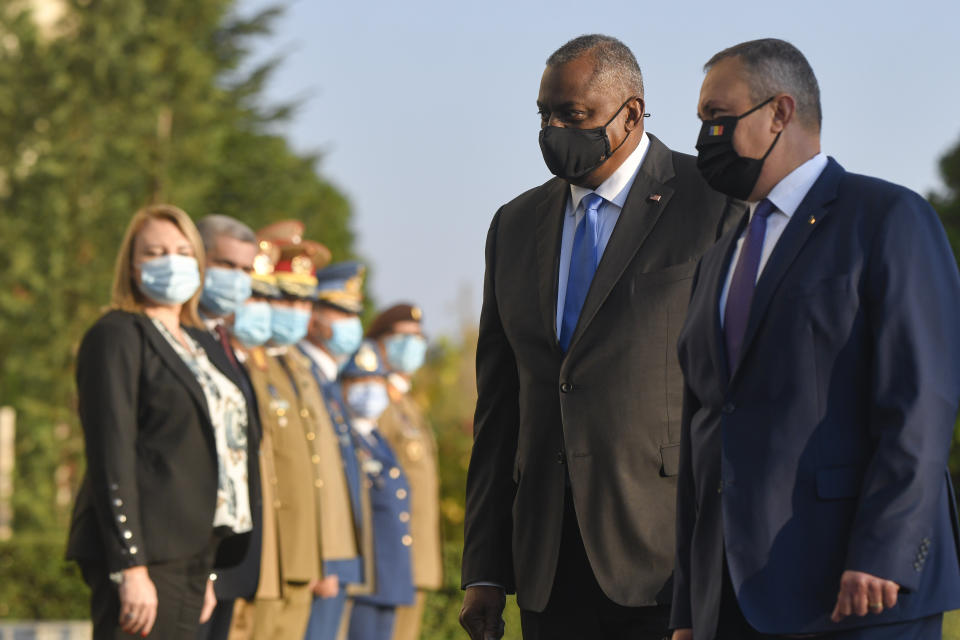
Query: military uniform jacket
[(390, 510), (409, 434), (339, 541), (290, 523)]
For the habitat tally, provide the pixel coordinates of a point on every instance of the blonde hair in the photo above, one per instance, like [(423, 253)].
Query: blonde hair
[(126, 294)]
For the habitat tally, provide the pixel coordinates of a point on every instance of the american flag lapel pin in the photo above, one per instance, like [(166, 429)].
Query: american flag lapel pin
[(654, 197)]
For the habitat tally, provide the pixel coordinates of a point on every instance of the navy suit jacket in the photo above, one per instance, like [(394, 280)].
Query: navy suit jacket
[(826, 448)]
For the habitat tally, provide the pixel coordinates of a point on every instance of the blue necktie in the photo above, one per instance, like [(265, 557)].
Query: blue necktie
[(740, 295), (583, 264)]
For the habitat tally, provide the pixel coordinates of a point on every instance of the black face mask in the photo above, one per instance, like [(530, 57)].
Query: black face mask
[(572, 153), (719, 163)]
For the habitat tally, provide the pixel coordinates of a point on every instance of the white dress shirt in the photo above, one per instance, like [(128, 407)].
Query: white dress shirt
[(324, 361), (786, 197), (614, 191)]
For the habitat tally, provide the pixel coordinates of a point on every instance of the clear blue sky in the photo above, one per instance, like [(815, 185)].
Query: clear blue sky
[(426, 112)]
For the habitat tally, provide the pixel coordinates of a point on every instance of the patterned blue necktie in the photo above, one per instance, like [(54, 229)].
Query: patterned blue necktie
[(583, 264), (740, 295)]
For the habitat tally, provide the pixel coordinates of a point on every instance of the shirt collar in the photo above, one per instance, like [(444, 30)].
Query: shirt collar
[(787, 195), (616, 188), (211, 323), (326, 363), (363, 426)]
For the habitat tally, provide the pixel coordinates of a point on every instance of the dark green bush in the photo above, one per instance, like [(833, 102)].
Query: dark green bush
[(38, 584)]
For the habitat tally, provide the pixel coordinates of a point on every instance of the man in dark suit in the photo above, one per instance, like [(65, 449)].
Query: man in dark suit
[(230, 248), (571, 487), (821, 357)]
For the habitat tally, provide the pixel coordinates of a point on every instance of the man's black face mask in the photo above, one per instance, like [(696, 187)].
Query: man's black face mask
[(571, 153), (719, 163)]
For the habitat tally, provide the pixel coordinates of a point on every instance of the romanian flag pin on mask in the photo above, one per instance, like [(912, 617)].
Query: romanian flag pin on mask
[(716, 130)]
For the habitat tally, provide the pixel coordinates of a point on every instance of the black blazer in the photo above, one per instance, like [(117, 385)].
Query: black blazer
[(606, 413), (150, 487)]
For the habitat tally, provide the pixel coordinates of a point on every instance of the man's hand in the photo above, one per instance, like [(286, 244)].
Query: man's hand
[(682, 634), (326, 588), (482, 612), (862, 593), (138, 601), (209, 602)]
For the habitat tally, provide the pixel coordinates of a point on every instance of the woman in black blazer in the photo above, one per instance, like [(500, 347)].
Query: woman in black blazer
[(165, 495)]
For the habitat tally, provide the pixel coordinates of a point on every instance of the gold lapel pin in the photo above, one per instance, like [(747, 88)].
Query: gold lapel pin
[(812, 220), (654, 197)]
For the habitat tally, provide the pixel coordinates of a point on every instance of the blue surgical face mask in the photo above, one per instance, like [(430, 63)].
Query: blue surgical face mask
[(288, 325), (346, 338), (224, 290), (405, 352), (368, 399), (252, 322), (170, 279)]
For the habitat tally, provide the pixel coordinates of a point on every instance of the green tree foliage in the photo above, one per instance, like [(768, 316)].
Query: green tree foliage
[(947, 204), (447, 387), (123, 103)]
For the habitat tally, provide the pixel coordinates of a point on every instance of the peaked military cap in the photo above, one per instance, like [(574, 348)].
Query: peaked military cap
[(341, 286), (262, 281), (401, 312), (296, 268)]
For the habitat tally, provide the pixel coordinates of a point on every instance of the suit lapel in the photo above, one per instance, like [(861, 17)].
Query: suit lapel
[(550, 214), (794, 237), (176, 364), (637, 219)]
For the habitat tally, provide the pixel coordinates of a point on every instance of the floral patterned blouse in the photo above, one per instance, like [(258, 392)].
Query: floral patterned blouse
[(228, 414)]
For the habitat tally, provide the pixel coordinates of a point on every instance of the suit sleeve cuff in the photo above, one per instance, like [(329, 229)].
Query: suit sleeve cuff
[(486, 584)]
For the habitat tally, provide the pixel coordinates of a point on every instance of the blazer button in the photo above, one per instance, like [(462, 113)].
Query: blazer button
[(561, 457), (566, 387), (728, 408)]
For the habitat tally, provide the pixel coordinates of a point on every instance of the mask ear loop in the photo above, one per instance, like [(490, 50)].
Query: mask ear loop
[(772, 144), (744, 115), (614, 117)]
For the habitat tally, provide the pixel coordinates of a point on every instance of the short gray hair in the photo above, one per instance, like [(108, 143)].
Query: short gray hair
[(215, 225), (775, 66), (614, 66)]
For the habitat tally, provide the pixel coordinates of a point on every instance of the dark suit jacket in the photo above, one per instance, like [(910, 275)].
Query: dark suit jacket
[(150, 487), (606, 413), (241, 581), (826, 449)]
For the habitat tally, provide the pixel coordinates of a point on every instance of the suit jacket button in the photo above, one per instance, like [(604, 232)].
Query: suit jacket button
[(728, 408), (561, 458), (566, 387)]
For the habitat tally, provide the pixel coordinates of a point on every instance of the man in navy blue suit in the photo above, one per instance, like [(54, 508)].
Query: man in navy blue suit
[(821, 361)]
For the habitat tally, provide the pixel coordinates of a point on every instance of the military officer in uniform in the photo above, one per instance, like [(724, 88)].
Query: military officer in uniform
[(335, 327), (338, 296), (290, 565), (364, 382), (398, 332)]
